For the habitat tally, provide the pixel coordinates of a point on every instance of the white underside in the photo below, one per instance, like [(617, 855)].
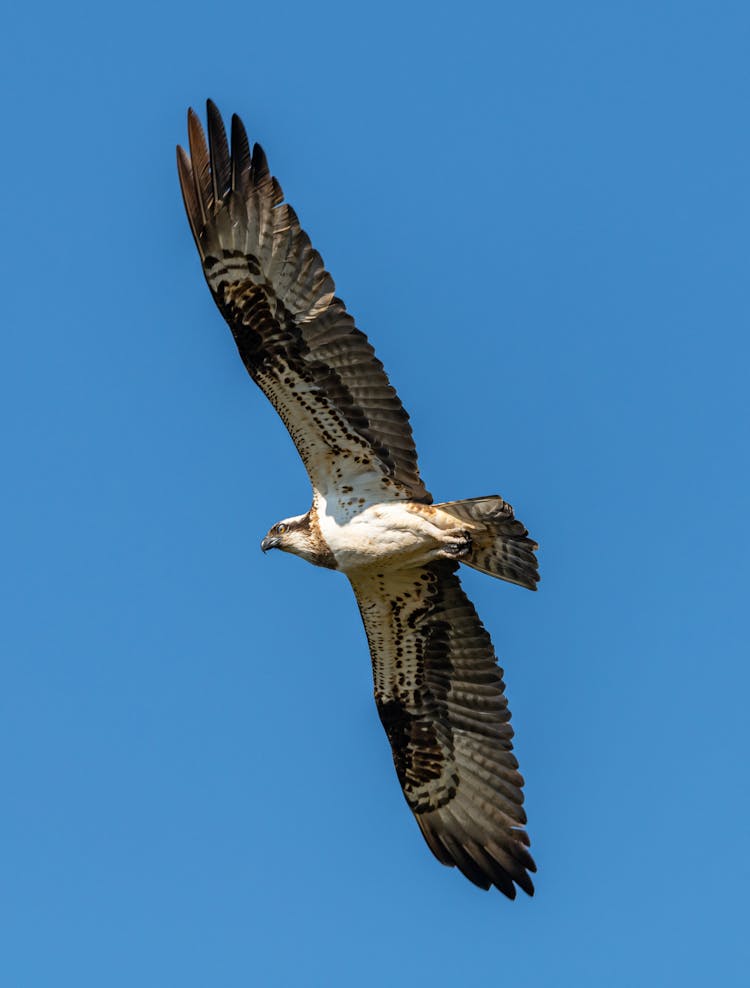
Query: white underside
[(396, 534)]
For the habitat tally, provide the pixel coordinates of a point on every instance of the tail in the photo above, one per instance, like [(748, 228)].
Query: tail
[(499, 543)]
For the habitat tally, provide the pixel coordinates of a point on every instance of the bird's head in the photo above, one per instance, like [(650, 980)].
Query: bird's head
[(290, 535)]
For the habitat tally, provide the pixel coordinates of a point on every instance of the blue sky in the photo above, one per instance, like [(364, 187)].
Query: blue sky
[(540, 215)]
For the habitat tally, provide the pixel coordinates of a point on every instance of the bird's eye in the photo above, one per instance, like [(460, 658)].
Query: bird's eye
[(281, 529)]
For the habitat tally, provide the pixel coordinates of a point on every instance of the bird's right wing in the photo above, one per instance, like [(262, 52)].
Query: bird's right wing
[(440, 697), (294, 335)]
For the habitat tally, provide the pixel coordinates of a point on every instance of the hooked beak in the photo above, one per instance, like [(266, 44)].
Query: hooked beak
[(269, 543)]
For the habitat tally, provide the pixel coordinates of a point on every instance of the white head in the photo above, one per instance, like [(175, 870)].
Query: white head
[(291, 535)]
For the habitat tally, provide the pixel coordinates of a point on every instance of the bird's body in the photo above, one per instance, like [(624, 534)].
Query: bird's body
[(438, 689), (398, 534)]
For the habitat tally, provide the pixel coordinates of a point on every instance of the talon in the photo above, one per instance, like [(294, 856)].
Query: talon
[(460, 548)]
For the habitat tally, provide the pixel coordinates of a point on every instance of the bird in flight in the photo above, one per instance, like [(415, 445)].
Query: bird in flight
[(438, 689)]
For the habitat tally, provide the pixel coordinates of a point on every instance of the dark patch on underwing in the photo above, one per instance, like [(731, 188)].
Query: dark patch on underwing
[(418, 753)]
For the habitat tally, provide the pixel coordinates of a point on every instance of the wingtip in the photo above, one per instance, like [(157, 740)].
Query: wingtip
[(219, 153), (237, 130), (187, 187), (196, 134), (213, 114), (528, 887), (241, 154)]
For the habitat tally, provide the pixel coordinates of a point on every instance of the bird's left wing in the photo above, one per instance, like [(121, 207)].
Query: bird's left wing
[(440, 697), (294, 335)]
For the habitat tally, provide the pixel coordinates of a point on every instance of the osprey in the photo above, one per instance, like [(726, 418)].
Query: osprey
[(438, 689)]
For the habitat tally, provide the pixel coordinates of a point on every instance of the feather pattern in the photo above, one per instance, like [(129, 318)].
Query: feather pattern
[(440, 697), (293, 333)]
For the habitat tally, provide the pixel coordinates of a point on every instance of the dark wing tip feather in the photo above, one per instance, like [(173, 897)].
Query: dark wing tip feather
[(259, 164), (241, 157), (200, 163), (484, 865), (221, 172), (187, 187)]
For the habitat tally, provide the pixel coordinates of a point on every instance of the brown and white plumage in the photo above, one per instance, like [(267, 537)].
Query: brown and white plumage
[(294, 335), (438, 689), (439, 694)]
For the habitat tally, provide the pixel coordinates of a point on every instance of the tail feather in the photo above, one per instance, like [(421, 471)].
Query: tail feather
[(500, 543)]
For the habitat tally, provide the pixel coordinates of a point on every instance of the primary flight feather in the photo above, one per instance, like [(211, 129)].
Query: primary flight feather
[(438, 689)]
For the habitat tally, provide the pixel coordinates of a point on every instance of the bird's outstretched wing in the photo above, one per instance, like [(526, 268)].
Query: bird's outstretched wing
[(439, 693), (294, 335)]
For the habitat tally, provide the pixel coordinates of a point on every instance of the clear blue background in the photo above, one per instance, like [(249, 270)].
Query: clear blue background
[(540, 214)]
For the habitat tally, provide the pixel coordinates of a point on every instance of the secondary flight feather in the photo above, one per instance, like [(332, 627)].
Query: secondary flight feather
[(438, 689)]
